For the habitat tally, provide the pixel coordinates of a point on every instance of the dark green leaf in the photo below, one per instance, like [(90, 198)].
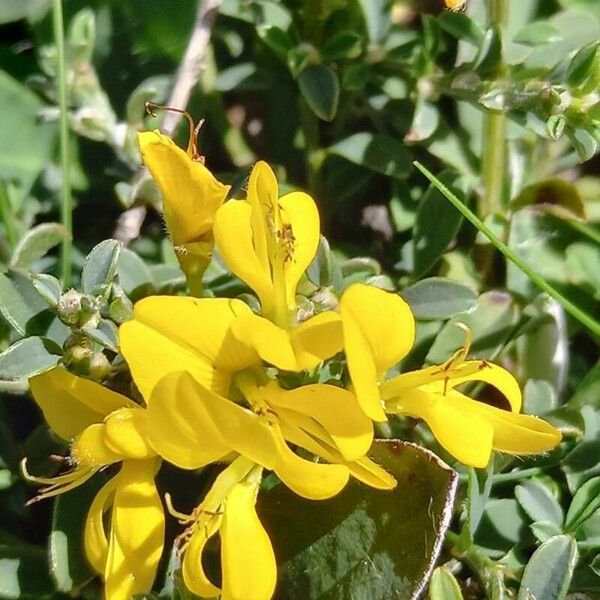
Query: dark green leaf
[(587, 392), (585, 502), (36, 243), (320, 88), (490, 52), (461, 26), (28, 357), (539, 32), (439, 298), (582, 463), (582, 65), (554, 195), (548, 573), (378, 153), (342, 45), (278, 40), (437, 223), (356, 545), (502, 526), (100, 266)]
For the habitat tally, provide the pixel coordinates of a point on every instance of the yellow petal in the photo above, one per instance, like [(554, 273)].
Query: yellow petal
[(179, 427), (496, 376), (137, 532), (320, 444), (247, 558), (258, 438), (171, 333), (516, 433), (126, 433), (193, 572), (90, 448), (233, 235), (335, 409), (272, 343), (303, 217), (94, 536), (263, 195), (71, 403), (191, 193), (379, 330), (303, 348), (463, 432), (317, 339)]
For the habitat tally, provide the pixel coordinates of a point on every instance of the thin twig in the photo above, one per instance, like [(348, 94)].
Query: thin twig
[(130, 222)]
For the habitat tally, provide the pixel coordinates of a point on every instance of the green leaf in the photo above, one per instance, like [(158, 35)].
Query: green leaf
[(28, 357), (556, 196), (277, 39), (461, 26), (134, 276), (36, 243), (356, 545), (443, 586), (439, 298), (48, 287), (582, 65), (24, 572), (27, 142), (587, 392), (543, 530), (320, 88), (378, 153), (168, 278), (106, 334), (490, 323), (490, 52), (425, 122), (22, 305), (581, 464), (342, 45), (548, 573), (502, 526), (436, 225), (539, 32), (583, 141), (68, 566), (585, 502), (539, 397), (15, 10), (537, 501), (100, 266)]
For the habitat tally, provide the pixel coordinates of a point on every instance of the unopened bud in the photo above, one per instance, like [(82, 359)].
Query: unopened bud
[(99, 366), (69, 307)]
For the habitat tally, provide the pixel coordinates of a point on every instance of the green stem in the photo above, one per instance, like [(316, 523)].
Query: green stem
[(66, 200), (494, 134), (585, 319), (516, 475)]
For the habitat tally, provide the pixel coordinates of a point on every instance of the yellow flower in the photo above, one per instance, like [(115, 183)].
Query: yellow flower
[(249, 570), (208, 396), (455, 4), (268, 242), (466, 428), (106, 428), (191, 197)]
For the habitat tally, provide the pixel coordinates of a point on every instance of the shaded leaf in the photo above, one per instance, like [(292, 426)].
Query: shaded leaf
[(24, 572), (539, 32), (554, 195), (134, 276), (378, 153), (364, 542), (320, 88), (537, 501)]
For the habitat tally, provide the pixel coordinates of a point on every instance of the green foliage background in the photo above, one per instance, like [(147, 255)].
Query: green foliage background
[(340, 96)]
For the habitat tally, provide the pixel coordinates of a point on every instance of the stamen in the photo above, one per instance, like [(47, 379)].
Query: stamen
[(181, 517), (194, 129)]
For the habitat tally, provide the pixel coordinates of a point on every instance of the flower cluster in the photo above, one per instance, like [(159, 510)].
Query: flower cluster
[(211, 375)]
